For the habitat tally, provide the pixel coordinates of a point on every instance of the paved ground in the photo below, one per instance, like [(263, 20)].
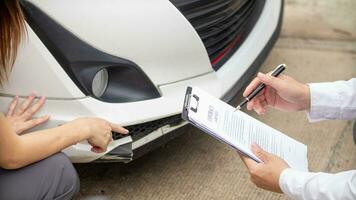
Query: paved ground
[(318, 42)]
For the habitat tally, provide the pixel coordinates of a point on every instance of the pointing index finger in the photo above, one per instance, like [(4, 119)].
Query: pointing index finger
[(119, 129)]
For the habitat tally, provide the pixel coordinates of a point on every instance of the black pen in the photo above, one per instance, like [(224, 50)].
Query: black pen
[(276, 72)]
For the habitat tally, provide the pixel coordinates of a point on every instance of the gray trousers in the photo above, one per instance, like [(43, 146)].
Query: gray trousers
[(51, 178)]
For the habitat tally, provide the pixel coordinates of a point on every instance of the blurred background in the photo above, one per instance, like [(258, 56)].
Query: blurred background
[(318, 43)]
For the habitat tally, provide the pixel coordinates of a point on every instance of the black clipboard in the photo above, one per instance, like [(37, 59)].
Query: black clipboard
[(189, 97)]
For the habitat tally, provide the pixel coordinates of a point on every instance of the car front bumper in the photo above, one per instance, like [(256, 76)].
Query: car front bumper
[(224, 83)]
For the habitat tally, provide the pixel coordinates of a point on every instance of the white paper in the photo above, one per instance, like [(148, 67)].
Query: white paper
[(240, 130)]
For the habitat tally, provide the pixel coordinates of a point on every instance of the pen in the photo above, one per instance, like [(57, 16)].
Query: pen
[(277, 71)]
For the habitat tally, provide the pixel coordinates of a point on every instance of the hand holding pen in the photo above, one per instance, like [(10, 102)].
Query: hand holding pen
[(282, 92), (278, 70)]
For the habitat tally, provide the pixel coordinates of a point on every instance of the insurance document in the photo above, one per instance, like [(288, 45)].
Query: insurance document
[(240, 130)]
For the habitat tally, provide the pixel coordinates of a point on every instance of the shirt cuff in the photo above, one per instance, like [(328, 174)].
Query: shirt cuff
[(324, 102), (292, 182)]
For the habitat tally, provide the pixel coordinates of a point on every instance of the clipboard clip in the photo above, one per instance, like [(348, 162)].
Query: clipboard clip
[(196, 107), (188, 102)]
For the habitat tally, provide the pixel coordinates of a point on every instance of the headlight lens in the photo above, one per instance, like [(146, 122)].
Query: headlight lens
[(100, 82)]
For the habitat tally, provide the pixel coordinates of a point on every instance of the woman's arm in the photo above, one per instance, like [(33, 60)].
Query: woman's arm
[(18, 151)]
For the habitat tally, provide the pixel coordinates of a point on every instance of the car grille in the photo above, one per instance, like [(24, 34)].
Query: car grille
[(222, 25), (140, 130)]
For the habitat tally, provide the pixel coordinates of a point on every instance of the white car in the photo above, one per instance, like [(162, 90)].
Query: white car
[(130, 61)]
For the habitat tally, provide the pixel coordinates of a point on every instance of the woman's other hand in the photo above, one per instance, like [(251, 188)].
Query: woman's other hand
[(282, 92), (21, 116), (98, 132)]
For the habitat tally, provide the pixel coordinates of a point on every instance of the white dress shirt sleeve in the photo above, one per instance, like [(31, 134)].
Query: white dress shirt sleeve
[(314, 186), (336, 100), (332, 100)]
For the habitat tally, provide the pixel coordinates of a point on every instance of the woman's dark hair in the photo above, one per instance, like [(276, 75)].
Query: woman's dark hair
[(12, 28)]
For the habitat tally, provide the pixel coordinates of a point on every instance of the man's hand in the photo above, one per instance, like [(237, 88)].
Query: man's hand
[(282, 92), (265, 175), (21, 116)]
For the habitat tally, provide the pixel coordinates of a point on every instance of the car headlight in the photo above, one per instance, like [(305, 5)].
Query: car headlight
[(96, 73)]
